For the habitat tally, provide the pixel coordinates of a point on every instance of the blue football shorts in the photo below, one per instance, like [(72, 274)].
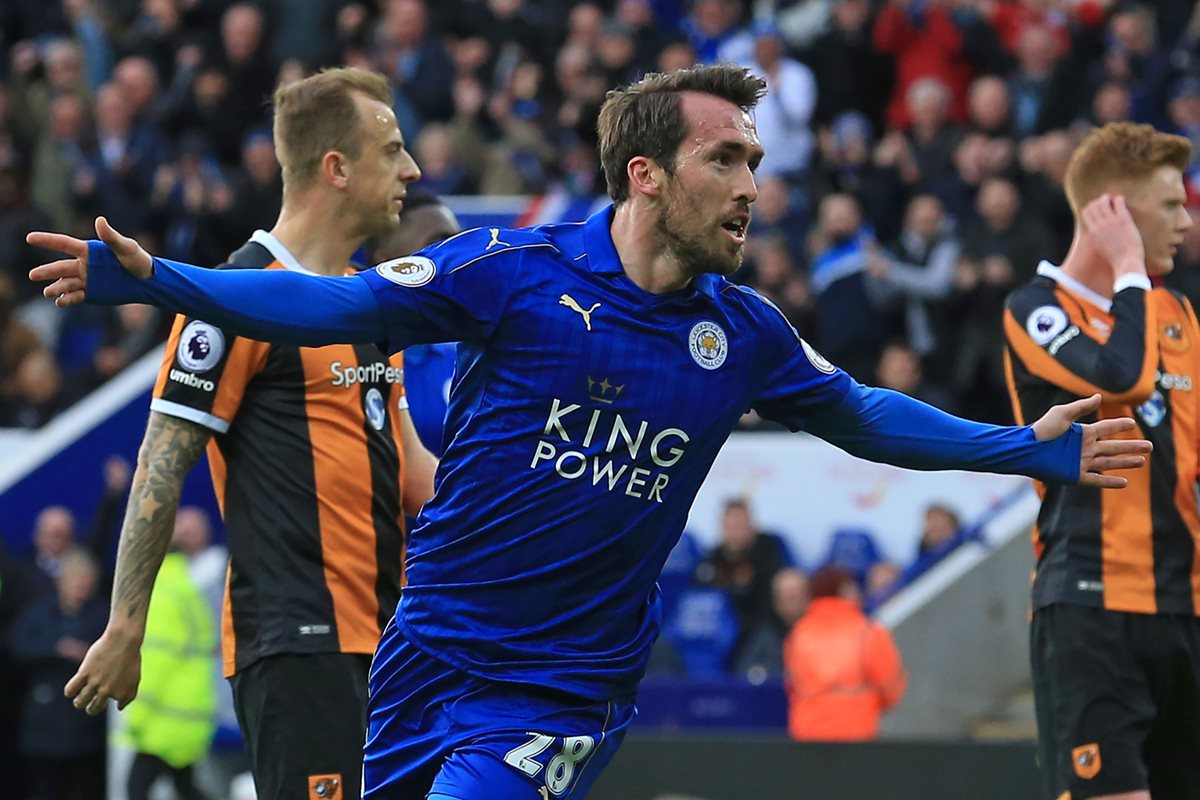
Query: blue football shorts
[(436, 732)]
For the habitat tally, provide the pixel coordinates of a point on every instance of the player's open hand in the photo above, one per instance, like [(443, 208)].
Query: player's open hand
[(111, 670), (1105, 449), (1109, 226), (69, 275)]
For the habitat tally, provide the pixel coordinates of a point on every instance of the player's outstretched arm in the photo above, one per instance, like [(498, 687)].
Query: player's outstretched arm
[(112, 667), (891, 428), (268, 305)]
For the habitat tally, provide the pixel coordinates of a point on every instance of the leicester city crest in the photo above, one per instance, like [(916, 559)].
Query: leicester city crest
[(708, 344)]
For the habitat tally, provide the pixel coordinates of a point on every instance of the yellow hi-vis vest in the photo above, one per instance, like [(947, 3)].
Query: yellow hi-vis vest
[(174, 714)]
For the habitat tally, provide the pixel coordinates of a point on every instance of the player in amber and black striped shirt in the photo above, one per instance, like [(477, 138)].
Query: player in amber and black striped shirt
[(1116, 637), (310, 449)]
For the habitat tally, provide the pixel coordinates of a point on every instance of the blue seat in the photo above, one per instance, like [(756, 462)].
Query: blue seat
[(703, 629), (854, 550)]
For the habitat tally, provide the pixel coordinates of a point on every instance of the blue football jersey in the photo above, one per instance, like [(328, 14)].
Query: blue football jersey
[(585, 414)]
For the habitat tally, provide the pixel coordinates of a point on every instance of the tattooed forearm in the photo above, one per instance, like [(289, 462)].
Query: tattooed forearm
[(169, 450)]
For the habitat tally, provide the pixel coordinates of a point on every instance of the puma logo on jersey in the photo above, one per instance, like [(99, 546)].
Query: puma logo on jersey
[(495, 239), (569, 302)]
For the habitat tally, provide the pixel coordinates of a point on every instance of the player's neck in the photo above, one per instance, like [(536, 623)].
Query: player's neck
[(647, 263), (1088, 266), (312, 234)]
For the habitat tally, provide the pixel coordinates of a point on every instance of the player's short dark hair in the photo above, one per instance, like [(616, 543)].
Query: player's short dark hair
[(317, 114), (646, 119)]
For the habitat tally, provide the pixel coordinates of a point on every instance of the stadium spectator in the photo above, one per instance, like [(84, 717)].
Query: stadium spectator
[(170, 727), (65, 749), (250, 69), (54, 533), (139, 80), (843, 671), (127, 335), (777, 278), (784, 119), (851, 73), (917, 271), (1044, 162), (779, 212), (760, 652), (714, 28), (744, 563), (1032, 78), (207, 561), (1001, 231), (117, 172), (927, 46), (923, 153), (17, 340), (939, 531), (37, 393), (988, 107), (409, 53), (16, 211), (883, 580), (40, 73), (1183, 112), (900, 369), (849, 325), (57, 156)]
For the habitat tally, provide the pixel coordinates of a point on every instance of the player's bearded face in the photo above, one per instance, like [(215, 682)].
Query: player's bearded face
[(696, 227)]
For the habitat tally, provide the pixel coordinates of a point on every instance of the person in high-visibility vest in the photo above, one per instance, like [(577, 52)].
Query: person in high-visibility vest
[(843, 671), (171, 723)]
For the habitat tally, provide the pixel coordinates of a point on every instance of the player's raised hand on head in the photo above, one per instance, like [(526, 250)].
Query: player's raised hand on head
[(1110, 228), (69, 275), (1104, 448)]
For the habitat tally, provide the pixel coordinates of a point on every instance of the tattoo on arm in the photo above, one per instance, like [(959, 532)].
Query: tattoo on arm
[(169, 450)]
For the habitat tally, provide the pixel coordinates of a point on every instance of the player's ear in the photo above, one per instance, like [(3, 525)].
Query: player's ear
[(645, 176), (335, 169)]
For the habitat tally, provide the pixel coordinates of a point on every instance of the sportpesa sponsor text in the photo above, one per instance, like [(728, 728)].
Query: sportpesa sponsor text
[(343, 375)]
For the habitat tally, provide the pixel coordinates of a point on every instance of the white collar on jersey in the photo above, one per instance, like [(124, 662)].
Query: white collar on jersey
[(1048, 270), (281, 253)]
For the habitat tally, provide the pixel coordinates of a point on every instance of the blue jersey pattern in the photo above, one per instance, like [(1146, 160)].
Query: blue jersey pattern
[(585, 415)]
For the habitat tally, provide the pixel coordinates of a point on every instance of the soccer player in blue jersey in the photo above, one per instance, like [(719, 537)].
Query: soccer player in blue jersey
[(601, 367)]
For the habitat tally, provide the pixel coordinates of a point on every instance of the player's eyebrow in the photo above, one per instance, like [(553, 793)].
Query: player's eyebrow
[(739, 148)]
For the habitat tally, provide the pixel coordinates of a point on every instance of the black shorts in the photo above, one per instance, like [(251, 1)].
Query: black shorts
[(304, 720), (1118, 702)]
